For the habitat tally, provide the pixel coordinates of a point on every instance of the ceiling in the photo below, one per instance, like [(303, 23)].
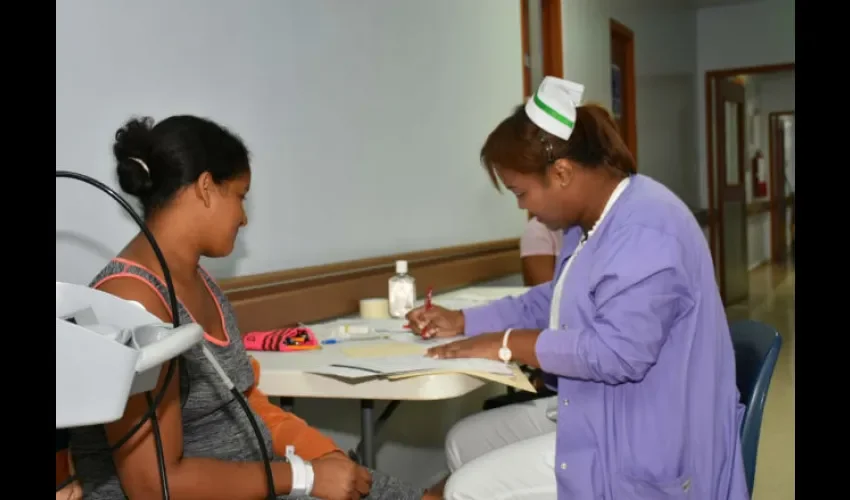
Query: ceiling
[(716, 3), (772, 77), (692, 4)]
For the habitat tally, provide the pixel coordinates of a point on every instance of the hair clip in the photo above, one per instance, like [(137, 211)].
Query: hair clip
[(550, 155)]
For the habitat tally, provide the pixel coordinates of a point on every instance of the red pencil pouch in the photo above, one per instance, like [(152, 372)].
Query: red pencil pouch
[(283, 340)]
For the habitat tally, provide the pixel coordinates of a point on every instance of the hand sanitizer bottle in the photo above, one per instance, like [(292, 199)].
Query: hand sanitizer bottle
[(402, 291)]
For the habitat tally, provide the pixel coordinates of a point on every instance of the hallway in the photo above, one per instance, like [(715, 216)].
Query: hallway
[(772, 301)]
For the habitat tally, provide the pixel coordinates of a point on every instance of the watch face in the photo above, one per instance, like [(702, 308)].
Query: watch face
[(505, 354)]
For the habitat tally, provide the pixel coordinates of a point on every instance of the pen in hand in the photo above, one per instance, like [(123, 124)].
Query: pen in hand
[(428, 304)]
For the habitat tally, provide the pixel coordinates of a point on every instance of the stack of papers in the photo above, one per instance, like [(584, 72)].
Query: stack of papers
[(402, 354), (335, 329), (516, 379), (399, 360), (394, 365)]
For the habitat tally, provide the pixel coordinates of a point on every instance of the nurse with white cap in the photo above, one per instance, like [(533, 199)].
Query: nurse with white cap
[(631, 333)]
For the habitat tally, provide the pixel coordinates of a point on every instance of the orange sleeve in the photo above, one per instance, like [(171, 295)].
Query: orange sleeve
[(286, 428)]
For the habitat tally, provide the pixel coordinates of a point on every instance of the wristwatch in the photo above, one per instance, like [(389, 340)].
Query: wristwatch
[(505, 353)]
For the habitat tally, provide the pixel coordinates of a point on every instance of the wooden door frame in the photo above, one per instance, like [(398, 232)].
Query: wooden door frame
[(620, 30), (553, 45), (776, 170), (741, 120), (710, 78)]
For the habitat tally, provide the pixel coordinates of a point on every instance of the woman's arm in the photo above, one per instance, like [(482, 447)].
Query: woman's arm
[(64, 469), (188, 478), (532, 309), (526, 311), (636, 302), (286, 428), (537, 269)]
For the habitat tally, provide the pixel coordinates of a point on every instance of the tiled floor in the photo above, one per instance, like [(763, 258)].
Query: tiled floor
[(772, 301)]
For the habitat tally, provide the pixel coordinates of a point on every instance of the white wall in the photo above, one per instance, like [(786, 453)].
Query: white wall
[(665, 54), (751, 34), (535, 42), (587, 47), (364, 118), (675, 45)]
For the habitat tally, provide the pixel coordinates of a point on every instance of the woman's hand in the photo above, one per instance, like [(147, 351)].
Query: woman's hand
[(436, 322), (337, 477), (70, 492), (485, 346)]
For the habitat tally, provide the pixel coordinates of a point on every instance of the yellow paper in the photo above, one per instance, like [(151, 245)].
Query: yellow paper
[(388, 349), (517, 379)]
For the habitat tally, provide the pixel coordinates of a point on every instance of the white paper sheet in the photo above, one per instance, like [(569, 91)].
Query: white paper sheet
[(391, 365)]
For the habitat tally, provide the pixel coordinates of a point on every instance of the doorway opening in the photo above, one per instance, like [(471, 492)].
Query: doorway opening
[(782, 182), (747, 206)]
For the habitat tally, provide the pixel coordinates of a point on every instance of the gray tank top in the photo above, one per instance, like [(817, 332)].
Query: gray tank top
[(214, 424)]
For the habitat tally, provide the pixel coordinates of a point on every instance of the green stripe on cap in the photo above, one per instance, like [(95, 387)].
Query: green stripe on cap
[(551, 112)]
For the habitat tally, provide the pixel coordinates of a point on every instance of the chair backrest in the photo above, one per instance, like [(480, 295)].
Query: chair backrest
[(756, 350)]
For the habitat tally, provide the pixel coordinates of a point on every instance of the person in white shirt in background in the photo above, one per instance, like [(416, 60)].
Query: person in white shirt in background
[(539, 247)]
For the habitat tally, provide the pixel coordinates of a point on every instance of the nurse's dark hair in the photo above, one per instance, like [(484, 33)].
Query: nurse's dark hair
[(156, 161), (520, 145)]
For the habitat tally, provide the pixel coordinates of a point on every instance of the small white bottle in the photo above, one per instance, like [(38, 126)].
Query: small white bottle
[(402, 291)]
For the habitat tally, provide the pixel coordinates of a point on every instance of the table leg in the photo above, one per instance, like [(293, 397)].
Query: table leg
[(287, 403), (365, 452), (367, 434)]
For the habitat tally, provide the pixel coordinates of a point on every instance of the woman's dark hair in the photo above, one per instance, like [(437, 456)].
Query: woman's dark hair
[(156, 161), (520, 145)]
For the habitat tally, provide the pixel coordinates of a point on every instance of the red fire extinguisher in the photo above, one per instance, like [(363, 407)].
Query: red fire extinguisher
[(759, 173)]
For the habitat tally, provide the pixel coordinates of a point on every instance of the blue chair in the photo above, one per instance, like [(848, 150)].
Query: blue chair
[(756, 350)]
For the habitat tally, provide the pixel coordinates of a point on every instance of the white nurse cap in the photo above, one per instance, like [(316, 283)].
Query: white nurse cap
[(553, 106)]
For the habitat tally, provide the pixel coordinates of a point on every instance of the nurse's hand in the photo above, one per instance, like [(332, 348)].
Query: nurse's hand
[(484, 346), (436, 322)]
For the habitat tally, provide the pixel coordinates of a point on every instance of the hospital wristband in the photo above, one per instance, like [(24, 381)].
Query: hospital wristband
[(302, 474)]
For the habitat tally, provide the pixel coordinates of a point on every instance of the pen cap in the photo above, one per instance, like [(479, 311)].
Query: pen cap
[(401, 267)]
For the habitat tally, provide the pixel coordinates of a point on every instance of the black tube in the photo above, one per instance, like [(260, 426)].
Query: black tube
[(153, 403), (175, 320), (261, 441)]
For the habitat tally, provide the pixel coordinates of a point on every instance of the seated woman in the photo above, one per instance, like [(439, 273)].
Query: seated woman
[(632, 331), (539, 247), (191, 177)]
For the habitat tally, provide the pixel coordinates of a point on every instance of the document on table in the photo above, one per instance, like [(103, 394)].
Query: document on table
[(391, 358), (384, 350), (516, 379), (485, 294), (334, 329), (391, 365), (457, 304)]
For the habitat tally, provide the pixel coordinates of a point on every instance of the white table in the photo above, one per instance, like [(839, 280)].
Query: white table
[(287, 375)]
